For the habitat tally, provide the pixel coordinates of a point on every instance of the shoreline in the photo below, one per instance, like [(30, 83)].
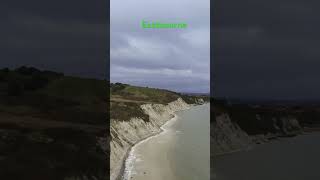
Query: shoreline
[(276, 138), (122, 174), (229, 152), (130, 153)]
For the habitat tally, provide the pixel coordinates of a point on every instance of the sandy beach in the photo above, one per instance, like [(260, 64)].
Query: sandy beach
[(149, 158)]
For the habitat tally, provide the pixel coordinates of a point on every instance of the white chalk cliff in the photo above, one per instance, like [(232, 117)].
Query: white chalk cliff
[(124, 134)]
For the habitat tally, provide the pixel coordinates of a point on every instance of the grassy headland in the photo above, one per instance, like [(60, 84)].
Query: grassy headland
[(126, 100)]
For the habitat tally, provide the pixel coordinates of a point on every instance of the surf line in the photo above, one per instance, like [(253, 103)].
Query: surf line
[(128, 169)]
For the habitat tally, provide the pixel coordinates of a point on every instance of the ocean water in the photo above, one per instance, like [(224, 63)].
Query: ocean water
[(192, 152), (180, 152), (294, 158)]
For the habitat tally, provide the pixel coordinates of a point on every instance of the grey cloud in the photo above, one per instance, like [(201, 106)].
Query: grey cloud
[(163, 58), (268, 50), (65, 36)]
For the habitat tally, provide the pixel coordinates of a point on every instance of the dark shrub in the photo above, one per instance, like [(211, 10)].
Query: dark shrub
[(117, 87), (36, 82), (3, 74), (15, 87), (27, 71)]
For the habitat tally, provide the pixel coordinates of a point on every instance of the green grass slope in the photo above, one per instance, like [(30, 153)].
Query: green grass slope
[(126, 100)]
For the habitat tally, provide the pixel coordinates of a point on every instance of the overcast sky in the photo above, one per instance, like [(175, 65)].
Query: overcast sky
[(175, 59), (266, 49), (65, 36)]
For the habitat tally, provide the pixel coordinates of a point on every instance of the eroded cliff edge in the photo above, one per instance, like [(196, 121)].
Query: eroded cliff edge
[(124, 134), (227, 136), (235, 128)]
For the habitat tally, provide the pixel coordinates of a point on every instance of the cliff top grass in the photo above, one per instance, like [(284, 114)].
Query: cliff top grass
[(126, 100), (47, 95), (137, 94)]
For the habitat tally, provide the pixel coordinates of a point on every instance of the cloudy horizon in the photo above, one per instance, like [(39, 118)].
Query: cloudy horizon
[(174, 59), (56, 36)]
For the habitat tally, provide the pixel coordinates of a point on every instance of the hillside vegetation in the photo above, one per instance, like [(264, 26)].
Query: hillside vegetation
[(126, 100), (50, 125), (49, 95)]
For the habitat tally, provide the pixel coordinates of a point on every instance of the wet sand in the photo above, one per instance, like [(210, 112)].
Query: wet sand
[(149, 159)]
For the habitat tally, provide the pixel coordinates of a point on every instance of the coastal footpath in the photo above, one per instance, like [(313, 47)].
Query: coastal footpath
[(125, 134)]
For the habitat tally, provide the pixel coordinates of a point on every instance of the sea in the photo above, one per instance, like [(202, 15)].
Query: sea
[(180, 152)]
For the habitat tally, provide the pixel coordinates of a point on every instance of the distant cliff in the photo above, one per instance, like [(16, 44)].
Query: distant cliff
[(236, 127), (227, 136)]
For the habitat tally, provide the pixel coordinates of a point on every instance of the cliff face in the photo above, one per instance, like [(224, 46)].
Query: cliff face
[(227, 136), (124, 134), (236, 131), (231, 132)]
